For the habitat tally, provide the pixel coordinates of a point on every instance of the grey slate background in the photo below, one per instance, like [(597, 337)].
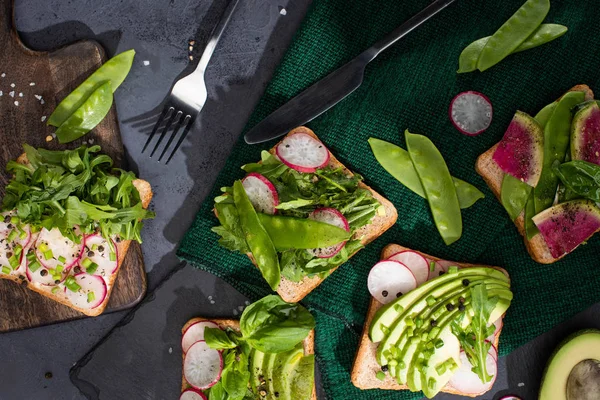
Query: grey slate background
[(140, 359)]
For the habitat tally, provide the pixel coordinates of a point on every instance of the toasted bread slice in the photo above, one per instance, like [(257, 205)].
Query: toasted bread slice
[(145, 191), (365, 365), (493, 176), (293, 292), (309, 343)]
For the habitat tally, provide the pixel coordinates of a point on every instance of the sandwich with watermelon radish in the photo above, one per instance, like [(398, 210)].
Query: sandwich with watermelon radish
[(546, 173), (298, 214), (432, 325), (68, 218)]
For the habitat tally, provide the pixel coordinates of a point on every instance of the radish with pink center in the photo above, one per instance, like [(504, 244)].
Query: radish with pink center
[(91, 292), (195, 333), (330, 216), (97, 257), (53, 249), (467, 381), (389, 280), (202, 366), (417, 264)]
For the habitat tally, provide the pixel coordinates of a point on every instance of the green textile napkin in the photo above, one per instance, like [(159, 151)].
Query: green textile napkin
[(411, 86)]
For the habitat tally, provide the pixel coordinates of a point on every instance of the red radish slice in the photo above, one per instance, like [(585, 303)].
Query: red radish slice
[(60, 247), (302, 152), (389, 280), (467, 382), (202, 366), (330, 216), (89, 284), (192, 394), (498, 325), (471, 113), (97, 250), (195, 333), (261, 192), (445, 264), (437, 271), (418, 264), (510, 398)]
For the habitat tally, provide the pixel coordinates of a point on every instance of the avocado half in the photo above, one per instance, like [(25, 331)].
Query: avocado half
[(573, 372)]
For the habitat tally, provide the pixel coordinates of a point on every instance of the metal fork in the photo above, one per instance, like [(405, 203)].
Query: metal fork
[(188, 95)]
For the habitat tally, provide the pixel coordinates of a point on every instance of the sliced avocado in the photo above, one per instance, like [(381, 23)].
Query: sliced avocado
[(303, 379), (431, 380), (256, 359), (270, 372), (573, 372), (288, 363)]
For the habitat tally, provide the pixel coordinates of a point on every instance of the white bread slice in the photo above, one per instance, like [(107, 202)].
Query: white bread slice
[(493, 176), (309, 343), (145, 191), (365, 365), (293, 292)]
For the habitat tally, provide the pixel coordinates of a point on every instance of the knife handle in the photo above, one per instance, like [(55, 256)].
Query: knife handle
[(406, 28)]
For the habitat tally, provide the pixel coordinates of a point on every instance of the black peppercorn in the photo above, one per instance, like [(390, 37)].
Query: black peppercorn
[(384, 368), (43, 272), (384, 293), (449, 306), (398, 294), (461, 300), (433, 323), (100, 249), (90, 254), (466, 282), (461, 307)]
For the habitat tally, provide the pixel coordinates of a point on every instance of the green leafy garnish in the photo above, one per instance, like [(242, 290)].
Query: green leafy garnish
[(218, 339)]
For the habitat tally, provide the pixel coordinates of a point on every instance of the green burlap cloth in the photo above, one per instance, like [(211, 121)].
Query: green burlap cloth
[(411, 86)]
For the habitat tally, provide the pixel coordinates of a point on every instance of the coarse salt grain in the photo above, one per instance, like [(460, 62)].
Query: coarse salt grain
[(43, 118), (32, 84), (37, 96), (16, 103), (146, 63), (1, 93), (212, 302), (12, 85), (170, 350), (3, 75), (235, 312), (521, 384), (11, 93), (283, 11), (21, 94), (42, 101)]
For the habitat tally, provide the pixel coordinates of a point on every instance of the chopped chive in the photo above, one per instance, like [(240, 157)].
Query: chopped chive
[(430, 300), (12, 235), (86, 263), (18, 249), (56, 277), (393, 363), (62, 259), (13, 261), (402, 364), (113, 257), (409, 321), (424, 336), (431, 383), (55, 289), (415, 339), (43, 247), (34, 229), (30, 256), (432, 266), (6, 270), (72, 284), (91, 297), (394, 351), (380, 375), (440, 368), (92, 268), (48, 254), (34, 266), (439, 343), (59, 269), (397, 307), (453, 269), (94, 247), (22, 235), (434, 332), (14, 220), (418, 322)]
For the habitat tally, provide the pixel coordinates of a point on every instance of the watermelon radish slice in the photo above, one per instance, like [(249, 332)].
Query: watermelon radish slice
[(51, 245), (261, 192), (192, 394), (195, 333), (202, 366), (467, 381), (97, 251), (585, 136), (92, 293), (471, 113), (302, 152), (333, 217), (389, 280), (565, 226), (520, 153), (417, 264)]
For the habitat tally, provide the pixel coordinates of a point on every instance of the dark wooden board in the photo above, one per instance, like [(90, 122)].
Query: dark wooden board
[(55, 74)]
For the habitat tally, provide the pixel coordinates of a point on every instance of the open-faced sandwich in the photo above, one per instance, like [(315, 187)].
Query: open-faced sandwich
[(546, 173), (299, 214), (68, 219), (432, 325), (267, 354)]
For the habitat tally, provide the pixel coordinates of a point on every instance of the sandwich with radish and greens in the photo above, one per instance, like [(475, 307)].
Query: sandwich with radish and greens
[(267, 354), (299, 214), (68, 218), (432, 325)]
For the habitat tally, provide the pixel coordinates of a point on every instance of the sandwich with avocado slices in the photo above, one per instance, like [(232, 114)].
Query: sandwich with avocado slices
[(299, 214), (432, 325), (267, 354)]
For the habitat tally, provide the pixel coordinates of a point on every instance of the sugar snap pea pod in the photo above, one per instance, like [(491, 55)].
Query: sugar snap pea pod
[(514, 195), (87, 116), (545, 113), (258, 239), (530, 228), (513, 32), (114, 71), (437, 182), (556, 143), (301, 233), (397, 162)]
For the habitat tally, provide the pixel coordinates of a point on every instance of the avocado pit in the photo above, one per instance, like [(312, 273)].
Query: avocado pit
[(584, 381)]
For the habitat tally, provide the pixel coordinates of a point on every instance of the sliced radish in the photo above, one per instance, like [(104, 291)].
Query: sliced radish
[(302, 152), (9, 247), (92, 293), (498, 325), (195, 333), (467, 382), (192, 394), (389, 280), (97, 250), (510, 398), (418, 264), (330, 216), (445, 264), (59, 246), (437, 271), (261, 192), (471, 113), (202, 366)]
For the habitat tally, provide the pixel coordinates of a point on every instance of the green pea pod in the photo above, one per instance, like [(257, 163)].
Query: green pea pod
[(301, 233), (581, 178), (397, 162), (530, 228), (514, 195), (545, 113), (87, 116), (258, 239), (437, 183), (467, 62), (556, 143), (513, 32), (114, 71)]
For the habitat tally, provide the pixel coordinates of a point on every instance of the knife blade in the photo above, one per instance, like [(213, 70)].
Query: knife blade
[(336, 86)]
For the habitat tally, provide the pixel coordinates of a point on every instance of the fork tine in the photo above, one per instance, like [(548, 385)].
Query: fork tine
[(175, 131), (158, 123), (188, 122), (165, 130)]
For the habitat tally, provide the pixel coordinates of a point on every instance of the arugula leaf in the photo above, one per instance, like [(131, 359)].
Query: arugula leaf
[(218, 339), (217, 392), (235, 374)]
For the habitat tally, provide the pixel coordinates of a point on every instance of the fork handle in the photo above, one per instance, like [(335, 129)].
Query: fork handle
[(215, 37)]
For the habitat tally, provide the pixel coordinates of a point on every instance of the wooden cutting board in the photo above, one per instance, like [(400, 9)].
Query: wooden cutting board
[(52, 76)]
